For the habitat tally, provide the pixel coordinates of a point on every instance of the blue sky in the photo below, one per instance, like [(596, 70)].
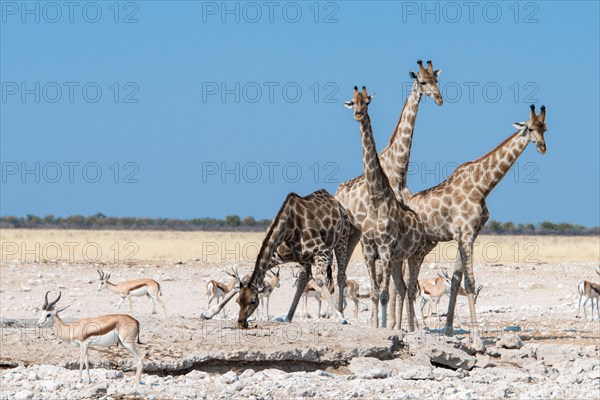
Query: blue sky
[(203, 109)]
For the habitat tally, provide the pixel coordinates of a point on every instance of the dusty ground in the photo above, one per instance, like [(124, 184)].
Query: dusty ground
[(536, 300)]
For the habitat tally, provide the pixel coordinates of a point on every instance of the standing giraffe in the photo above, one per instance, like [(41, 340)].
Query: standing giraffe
[(456, 209), (394, 158), (391, 232), (307, 230)]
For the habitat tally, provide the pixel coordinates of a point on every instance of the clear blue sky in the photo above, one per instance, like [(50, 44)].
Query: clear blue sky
[(165, 124)]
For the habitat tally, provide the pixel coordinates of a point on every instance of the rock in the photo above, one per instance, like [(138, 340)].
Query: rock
[(452, 358), (247, 373), (369, 368), (440, 374), (408, 369), (553, 354), (196, 375), (23, 395), (32, 376), (538, 367), (484, 361), (95, 391), (510, 341), (230, 377)]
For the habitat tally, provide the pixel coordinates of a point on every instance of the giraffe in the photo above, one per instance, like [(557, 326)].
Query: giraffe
[(394, 158), (307, 230), (391, 232), (456, 208)]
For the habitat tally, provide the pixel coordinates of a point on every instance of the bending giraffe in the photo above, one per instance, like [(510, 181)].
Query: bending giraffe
[(394, 158), (307, 230), (391, 232), (456, 209)]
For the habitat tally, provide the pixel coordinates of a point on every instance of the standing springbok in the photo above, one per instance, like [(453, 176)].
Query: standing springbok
[(350, 290), (136, 287), (590, 291), (269, 285), (218, 290), (432, 290), (105, 331)]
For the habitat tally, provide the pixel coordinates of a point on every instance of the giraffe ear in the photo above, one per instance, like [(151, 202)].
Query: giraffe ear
[(413, 75), (519, 125), (437, 72), (371, 96), (348, 104)]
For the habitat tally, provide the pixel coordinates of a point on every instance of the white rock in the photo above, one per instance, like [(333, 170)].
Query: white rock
[(369, 368), (230, 377), (247, 373), (23, 395)]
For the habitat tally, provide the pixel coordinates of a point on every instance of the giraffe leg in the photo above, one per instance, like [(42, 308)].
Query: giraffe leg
[(302, 281), (392, 303), (414, 266), (323, 261), (341, 257), (455, 285), (384, 294), (466, 249), (400, 286)]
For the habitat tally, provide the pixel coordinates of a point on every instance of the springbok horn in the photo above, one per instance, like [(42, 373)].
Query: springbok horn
[(55, 301), (100, 273), (278, 269), (45, 301), (429, 67), (542, 116)]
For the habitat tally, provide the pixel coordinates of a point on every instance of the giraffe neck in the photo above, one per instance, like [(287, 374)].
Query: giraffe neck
[(377, 182), (395, 157), (489, 170), (275, 236)]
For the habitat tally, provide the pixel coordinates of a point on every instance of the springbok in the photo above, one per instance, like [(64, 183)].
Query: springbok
[(217, 290), (351, 290), (590, 291), (136, 287), (269, 285), (433, 289), (104, 331)]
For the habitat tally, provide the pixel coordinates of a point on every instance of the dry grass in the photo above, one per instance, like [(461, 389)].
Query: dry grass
[(218, 247)]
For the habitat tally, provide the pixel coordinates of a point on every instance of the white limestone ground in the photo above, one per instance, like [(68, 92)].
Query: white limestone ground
[(536, 348)]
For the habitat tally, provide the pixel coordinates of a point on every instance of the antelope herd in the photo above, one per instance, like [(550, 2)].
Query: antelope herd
[(320, 231)]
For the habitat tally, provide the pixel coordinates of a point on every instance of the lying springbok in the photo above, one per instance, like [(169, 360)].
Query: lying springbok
[(432, 290), (351, 290), (136, 287), (269, 285), (590, 291), (102, 331)]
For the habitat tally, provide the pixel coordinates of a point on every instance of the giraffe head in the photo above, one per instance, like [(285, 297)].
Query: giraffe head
[(534, 128), (359, 103), (248, 301), (426, 81)]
